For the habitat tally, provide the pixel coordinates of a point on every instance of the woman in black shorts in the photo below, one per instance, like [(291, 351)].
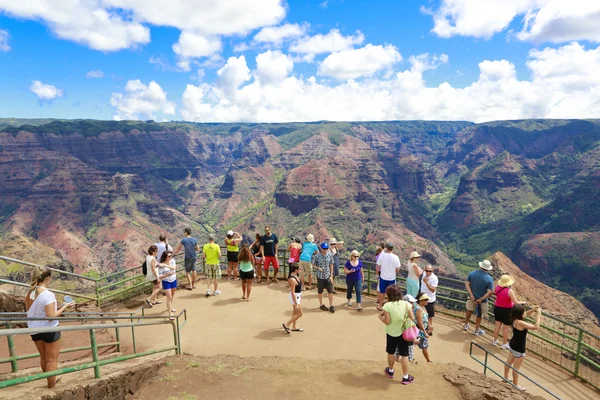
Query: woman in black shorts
[(295, 283), (246, 271), (505, 301), (41, 303), (395, 315)]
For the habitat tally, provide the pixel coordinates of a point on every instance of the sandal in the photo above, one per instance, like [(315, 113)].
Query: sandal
[(157, 302), (173, 310), (359, 308), (171, 318), (298, 330), (287, 330), (149, 303)]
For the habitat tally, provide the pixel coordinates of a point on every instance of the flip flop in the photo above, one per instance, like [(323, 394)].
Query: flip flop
[(173, 310), (157, 302), (172, 318), (149, 303), (287, 330), (298, 330)]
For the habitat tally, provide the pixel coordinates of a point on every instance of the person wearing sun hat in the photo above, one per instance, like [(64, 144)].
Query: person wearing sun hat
[(309, 248), (480, 286), (414, 272), (422, 320), (505, 301)]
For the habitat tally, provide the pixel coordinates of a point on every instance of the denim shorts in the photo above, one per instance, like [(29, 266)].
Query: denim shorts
[(383, 284)]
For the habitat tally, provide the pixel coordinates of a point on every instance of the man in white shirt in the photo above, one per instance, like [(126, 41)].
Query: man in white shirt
[(389, 265), (429, 284)]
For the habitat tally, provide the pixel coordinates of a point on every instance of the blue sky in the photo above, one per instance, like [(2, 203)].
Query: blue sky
[(479, 61)]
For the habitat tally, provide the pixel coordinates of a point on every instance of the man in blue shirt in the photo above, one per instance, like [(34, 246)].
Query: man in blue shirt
[(480, 286), (309, 248), (190, 246)]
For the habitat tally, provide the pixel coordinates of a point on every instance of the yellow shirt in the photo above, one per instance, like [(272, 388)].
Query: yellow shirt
[(212, 253), (231, 245)]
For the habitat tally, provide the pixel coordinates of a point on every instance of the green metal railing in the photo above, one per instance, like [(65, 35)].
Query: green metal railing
[(563, 343), (94, 345), (487, 367)]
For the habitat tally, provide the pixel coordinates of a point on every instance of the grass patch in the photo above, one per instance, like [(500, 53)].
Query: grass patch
[(168, 364), (169, 378), (183, 396), (193, 364), (215, 369), (239, 371)]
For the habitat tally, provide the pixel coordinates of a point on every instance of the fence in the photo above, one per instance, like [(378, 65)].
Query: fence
[(566, 345), (94, 345), (486, 367)]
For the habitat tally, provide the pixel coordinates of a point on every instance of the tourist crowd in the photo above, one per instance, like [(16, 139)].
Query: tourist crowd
[(408, 319)]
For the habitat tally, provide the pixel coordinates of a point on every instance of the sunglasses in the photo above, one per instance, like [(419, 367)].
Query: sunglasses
[(354, 256), (169, 255), (428, 270)]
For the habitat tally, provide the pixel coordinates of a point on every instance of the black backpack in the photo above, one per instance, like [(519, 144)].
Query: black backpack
[(144, 269)]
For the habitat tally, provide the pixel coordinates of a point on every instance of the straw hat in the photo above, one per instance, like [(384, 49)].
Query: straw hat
[(486, 265), (506, 281), (310, 237), (414, 254), (423, 297)]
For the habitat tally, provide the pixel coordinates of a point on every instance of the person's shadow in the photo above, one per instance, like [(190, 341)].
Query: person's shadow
[(372, 381), (272, 334)]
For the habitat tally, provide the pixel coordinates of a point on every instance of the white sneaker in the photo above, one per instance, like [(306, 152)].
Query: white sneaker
[(479, 332), (466, 327), (208, 292), (504, 346), (494, 342), (217, 292), (349, 304)]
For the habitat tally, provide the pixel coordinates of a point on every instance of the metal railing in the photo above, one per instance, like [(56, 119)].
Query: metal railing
[(486, 367), (565, 344), (94, 345)]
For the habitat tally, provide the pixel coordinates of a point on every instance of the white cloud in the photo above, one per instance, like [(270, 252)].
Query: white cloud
[(366, 61), (241, 47), (95, 74), (111, 25), (45, 91), (4, 35), (563, 84), (424, 62), (233, 74), (554, 21), (563, 21), (193, 45), (278, 34), (85, 22), (273, 66), (328, 43), (141, 101)]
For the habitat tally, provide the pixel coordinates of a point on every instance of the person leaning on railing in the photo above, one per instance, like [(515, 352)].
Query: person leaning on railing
[(41, 303)]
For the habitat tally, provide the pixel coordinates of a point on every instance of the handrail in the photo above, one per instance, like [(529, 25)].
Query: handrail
[(96, 363), (54, 290), (60, 271), (486, 367)]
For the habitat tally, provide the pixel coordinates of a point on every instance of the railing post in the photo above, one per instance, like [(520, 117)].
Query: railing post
[(175, 335), (485, 363), (118, 337), (578, 355), (95, 354), (11, 351), (178, 351), (133, 332), (97, 294)]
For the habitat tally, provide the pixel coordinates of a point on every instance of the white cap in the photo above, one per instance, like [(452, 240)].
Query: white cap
[(229, 232), (409, 298)]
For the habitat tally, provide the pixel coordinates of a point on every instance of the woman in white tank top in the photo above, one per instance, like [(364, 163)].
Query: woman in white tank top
[(41, 303)]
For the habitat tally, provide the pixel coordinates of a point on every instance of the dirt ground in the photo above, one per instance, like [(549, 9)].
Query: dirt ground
[(243, 352), (271, 378)]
